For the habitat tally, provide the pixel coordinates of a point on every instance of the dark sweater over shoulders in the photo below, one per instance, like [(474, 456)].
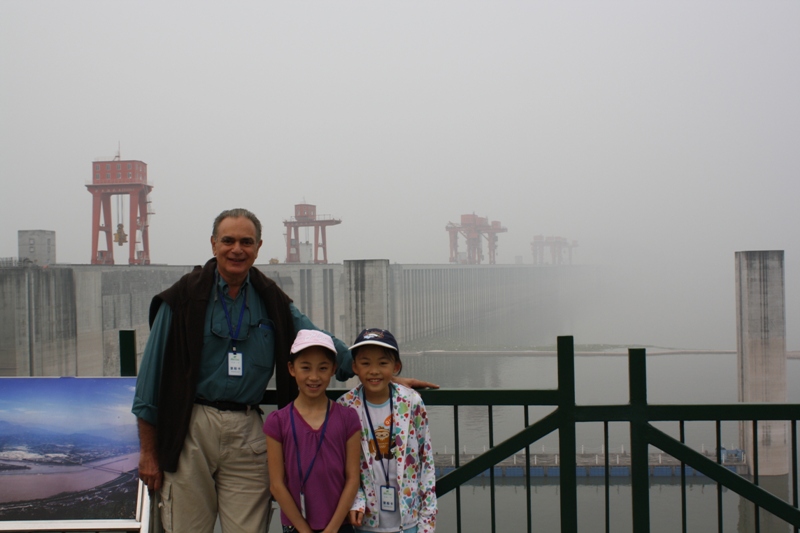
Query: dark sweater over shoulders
[(188, 300)]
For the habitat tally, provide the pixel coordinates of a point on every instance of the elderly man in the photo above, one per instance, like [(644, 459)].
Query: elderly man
[(216, 337)]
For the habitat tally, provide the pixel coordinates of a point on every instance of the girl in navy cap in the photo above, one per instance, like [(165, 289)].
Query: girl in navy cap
[(398, 481)]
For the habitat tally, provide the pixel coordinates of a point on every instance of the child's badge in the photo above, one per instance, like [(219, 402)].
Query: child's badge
[(303, 505), (388, 499)]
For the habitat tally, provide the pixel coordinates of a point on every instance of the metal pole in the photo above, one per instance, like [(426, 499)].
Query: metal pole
[(640, 482), (566, 434), (528, 476), (458, 463), (683, 480), (127, 353), (607, 476)]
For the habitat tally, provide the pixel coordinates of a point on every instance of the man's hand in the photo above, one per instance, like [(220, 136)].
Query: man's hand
[(415, 383), (149, 471)]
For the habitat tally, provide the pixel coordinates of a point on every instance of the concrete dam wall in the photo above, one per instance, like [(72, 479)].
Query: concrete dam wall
[(476, 306), (39, 323), (65, 320)]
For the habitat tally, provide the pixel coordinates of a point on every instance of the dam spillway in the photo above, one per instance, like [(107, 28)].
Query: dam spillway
[(64, 320)]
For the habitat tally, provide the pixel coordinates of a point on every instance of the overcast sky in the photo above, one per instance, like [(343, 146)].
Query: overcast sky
[(662, 136)]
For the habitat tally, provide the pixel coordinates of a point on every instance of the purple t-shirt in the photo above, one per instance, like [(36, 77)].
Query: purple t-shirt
[(326, 480)]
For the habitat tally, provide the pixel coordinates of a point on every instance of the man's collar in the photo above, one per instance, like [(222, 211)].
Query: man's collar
[(223, 285)]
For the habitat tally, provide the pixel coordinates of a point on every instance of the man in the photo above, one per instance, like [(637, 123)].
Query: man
[(216, 337)]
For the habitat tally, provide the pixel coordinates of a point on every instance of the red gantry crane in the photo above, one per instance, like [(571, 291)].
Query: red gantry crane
[(118, 178), (558, 247), (474, 229), (305, 216)]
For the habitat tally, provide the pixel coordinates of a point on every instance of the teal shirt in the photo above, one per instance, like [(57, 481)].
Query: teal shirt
[(255, 342)]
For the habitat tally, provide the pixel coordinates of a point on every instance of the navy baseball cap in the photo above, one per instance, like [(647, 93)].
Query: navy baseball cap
[(378, 337)]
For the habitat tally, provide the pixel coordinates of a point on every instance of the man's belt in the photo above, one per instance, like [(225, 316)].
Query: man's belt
[(227, 406)]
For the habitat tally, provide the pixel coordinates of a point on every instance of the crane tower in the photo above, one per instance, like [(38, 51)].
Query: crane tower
[(474, 229), (305, 216), (116, 177), (559, 246)]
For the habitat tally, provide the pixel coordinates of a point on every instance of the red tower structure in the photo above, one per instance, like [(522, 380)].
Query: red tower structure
[(305, 216), (116, 178), (557, 245), (474, 229)]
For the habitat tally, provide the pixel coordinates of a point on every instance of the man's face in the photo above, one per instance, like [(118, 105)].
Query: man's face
[(235, 248)]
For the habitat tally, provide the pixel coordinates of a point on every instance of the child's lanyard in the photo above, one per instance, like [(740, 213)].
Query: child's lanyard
[(388, 493), (233, 334), (313, 459)]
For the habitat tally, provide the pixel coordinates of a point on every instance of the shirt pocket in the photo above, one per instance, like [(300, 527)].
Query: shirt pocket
[(262, 340)]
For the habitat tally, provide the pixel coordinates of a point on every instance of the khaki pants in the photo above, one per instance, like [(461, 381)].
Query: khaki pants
[(222, 469)]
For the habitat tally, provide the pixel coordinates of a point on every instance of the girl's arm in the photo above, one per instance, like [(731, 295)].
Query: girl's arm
[(278, 488), (352, 474), (427, 473)]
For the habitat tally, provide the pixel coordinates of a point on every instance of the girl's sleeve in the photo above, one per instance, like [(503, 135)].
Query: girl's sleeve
[(272, 427), (427, 475), (360, 503)]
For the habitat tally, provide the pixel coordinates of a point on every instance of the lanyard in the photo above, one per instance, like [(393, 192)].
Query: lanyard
[(233, 334), (372, 429), (297, 447)]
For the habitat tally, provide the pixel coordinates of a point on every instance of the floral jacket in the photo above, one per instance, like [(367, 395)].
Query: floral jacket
[(416, 475)]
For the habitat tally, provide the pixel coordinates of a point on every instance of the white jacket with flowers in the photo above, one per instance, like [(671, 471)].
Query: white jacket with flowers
[(412, 452)]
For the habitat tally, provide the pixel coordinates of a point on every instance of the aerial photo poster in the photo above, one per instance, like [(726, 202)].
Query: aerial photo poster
[(68, 449)]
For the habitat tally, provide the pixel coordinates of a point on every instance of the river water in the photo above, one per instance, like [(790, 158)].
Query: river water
[(600, 379), (44, 481)]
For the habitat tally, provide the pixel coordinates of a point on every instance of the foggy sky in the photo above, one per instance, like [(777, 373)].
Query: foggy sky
[(663, 137)]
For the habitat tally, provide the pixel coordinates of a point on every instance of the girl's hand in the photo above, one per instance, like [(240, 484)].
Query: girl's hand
[(356, 517)]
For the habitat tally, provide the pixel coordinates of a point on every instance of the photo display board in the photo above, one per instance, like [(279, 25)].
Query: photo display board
[(69, 449)]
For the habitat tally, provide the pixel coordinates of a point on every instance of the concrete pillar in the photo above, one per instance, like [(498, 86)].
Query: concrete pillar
[(368, 295), (761, 347)]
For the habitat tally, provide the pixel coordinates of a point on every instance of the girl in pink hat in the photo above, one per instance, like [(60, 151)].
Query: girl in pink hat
[(313, 444)]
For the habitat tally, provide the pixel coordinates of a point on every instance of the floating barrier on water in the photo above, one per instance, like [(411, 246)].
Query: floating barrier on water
[(589, 466), (589, 471)]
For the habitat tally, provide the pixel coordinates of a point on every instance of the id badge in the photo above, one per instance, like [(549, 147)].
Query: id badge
[(303, 505), (388, 499), (234, 364)]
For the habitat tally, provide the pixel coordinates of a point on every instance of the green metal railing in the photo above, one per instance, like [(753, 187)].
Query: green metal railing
[(639, 415)]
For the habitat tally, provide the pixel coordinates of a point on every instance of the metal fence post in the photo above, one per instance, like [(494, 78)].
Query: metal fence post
[(640, 478), (566, 434), (127, 353)]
